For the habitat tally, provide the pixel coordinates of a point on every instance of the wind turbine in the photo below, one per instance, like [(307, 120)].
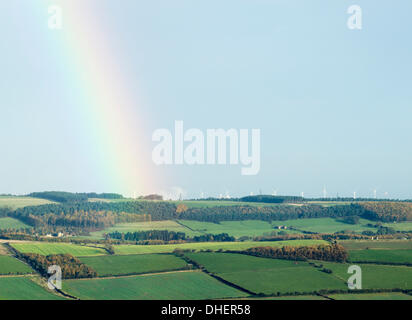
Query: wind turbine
[(324, 192)]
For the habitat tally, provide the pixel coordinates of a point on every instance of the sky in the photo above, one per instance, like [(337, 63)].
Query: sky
[(79, 105)]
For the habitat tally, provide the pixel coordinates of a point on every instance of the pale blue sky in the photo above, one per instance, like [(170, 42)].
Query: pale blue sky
[(334, 105)]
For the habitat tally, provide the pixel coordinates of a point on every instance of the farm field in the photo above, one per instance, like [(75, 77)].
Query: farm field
[(3, 250), (376, 276), (372, 296), (23, 288), (381, 255), (143, 226), (399, 226), (214, 246), (20, 202), (268, 276), (376, 244), (134, 264), (11, 223), (248, 228), (10, 265), (176, 286), (325, 225), (47, 248)]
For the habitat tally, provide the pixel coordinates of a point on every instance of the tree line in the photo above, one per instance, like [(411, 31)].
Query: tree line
[(71, 267), (167, 236), (334, 252), (67, 197)]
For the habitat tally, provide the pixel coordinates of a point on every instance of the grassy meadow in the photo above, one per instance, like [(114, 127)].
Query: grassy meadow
[(20, 202), (134, 264), (47, 248), (381, 255), (24, 288), (10, 265), (376, 244), (11, 223), (175, 286), (375, 276)]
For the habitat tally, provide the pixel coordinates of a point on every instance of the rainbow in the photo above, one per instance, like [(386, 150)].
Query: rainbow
[(105, 98)]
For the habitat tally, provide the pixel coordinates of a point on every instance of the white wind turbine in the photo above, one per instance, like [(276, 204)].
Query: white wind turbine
[(324, 192)]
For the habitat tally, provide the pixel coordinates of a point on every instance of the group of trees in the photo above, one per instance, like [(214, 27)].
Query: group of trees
[(164, 235), (167, 236), (72, 268), (58, 196), (387, 211), (269, 213), (334, 252), (351, 220), (66, 197)]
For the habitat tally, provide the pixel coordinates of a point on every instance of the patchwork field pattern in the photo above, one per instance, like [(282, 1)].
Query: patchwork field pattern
[(268, 276)]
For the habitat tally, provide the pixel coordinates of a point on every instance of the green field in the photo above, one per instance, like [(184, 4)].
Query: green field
[(381, 255), (143, 226), (376, 244), (10, 223), (268, 276), (400, 226), (248, 228), (325, 225), (372, 296), (175, 286), (23, 288), (375, 276), (47, 248), (10, 265), (134, 264), (141, 249), (20, 202)]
